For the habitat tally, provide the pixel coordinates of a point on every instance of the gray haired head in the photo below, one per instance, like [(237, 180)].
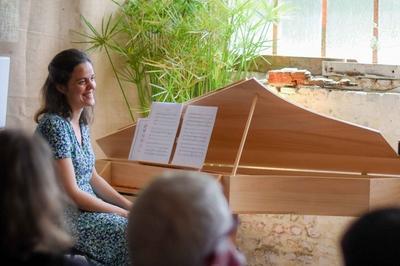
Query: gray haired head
[(177, 220)]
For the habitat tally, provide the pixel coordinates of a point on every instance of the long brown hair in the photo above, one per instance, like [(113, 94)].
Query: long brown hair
[(60, 70), (32, 201)]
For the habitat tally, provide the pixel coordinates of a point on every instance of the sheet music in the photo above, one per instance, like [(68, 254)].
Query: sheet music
[(195, 135), (138, 139), (161, 132)]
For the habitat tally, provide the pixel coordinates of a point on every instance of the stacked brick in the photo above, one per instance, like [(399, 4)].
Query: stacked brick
[(288, 77), (293, 77)]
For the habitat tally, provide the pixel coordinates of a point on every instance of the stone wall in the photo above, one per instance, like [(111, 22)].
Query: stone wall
[(291, 240)]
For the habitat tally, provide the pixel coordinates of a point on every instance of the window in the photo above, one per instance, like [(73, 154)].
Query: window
[(299, 33), (389, 32), (365, 30), (349, 29)]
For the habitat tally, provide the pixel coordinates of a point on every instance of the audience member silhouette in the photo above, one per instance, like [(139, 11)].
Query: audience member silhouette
[(31, 223), (373, 239), (182, 219)]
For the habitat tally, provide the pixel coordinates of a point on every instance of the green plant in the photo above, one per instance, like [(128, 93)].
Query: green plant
[(175, 50)]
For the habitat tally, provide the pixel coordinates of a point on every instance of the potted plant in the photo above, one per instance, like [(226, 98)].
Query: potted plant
[(175, 50)]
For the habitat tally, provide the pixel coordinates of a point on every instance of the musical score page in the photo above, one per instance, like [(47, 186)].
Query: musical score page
[(138, 139), (159, 136), (194, 137)]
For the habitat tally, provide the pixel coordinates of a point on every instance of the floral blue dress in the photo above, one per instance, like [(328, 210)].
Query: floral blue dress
[(101, 236)]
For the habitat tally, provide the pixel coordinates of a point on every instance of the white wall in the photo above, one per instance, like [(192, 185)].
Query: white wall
[(4, 76), (375, 110)]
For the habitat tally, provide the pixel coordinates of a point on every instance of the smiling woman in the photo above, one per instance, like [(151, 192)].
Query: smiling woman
[(80, 88), (79, 93), (68, 98)]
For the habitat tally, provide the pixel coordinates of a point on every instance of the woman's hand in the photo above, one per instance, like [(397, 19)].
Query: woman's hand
[(82, 199), (122, 212), (106, 192)]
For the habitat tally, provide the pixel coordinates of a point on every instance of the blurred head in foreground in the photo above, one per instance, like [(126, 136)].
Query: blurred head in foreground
[(182, 219), (31, 203), (373, 239)]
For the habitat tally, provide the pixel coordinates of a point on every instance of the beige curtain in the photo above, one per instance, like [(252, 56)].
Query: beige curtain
[(9, 19), (32, 32)]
